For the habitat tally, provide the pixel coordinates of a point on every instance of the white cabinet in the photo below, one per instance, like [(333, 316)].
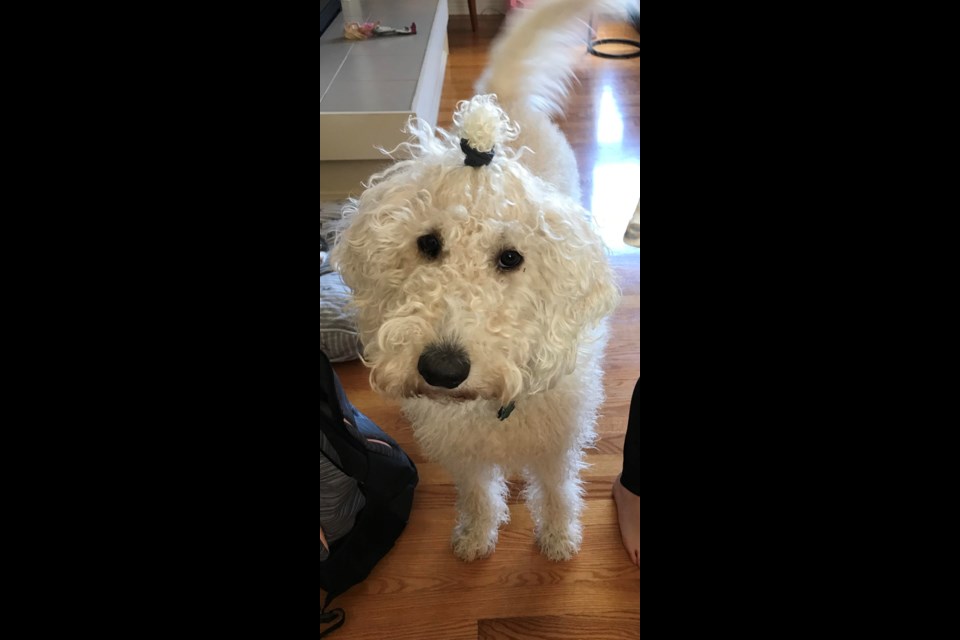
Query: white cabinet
[(369, 88)]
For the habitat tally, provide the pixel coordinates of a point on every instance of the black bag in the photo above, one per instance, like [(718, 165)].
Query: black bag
[(366, 492)]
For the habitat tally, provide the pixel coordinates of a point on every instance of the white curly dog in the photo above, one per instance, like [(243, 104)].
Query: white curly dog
[(481, 288)]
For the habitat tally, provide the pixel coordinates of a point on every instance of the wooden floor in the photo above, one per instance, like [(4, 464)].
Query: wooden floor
[(420, 590)]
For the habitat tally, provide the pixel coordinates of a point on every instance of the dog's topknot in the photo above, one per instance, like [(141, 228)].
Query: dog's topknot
[(483, 125)]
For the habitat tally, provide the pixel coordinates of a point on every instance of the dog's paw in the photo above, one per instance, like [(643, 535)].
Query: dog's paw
[(471, 544), (560, 543)]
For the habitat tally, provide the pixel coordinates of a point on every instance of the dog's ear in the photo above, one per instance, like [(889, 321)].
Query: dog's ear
[(603, 296), (578, 288), (364, 254), (345, 256), (373, 244), (580, 262), (598, 293), (358, 256)]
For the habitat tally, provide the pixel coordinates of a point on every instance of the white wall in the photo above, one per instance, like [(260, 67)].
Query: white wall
[(484, 7)]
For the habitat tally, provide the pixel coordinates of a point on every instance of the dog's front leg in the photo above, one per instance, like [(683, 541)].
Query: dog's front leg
[(481, 509), (555, 500)]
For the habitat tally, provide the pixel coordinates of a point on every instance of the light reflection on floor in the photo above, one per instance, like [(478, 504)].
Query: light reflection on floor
[(616, 175), (616, 189)]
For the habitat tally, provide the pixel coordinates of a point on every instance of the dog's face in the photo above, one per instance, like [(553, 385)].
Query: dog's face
[(470, 282)]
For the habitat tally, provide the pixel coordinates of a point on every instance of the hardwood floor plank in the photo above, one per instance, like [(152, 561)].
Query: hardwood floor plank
[(422, 561), (528, 597), (416, 624), (611, 625)]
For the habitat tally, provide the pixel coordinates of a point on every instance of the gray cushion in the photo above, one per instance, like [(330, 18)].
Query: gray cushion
[(339, 337)]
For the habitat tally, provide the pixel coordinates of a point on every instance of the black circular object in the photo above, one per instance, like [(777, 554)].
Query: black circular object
[(475, 158), (601, 54)]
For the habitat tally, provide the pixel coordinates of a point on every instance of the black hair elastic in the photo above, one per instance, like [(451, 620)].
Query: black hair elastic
[(475, 158)]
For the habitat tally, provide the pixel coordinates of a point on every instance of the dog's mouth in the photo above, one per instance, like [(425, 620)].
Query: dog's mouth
[(460, 395), (444, 395)]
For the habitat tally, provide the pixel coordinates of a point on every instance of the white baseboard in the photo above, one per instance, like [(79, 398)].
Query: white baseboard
[(484, 7)]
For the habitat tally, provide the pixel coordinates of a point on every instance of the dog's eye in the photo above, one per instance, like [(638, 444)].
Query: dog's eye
[(429, 245), (508, 260)]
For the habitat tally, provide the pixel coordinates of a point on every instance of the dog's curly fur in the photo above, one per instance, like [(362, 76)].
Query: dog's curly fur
[(533, 333)]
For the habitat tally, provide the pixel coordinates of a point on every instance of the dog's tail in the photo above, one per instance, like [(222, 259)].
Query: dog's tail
[(532, 58)]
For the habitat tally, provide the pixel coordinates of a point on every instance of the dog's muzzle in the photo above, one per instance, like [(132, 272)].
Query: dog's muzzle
[(444, 365)]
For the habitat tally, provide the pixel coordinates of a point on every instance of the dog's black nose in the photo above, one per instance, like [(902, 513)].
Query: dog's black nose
[(444, 365)]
